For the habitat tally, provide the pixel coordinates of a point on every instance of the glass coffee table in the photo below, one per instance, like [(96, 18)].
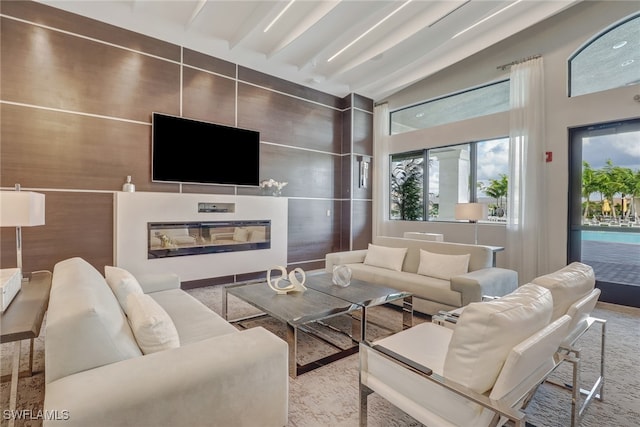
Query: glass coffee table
[(322, 300)]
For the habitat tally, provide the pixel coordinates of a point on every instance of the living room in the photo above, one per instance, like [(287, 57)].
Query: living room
[(77, 98)]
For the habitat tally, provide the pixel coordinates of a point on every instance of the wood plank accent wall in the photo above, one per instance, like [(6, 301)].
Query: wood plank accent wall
[(76, 97)]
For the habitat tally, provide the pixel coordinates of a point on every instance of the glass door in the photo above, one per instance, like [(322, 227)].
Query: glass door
[(604, 207)]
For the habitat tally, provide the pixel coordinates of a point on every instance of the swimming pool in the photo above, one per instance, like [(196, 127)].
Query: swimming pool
[(612, 236)]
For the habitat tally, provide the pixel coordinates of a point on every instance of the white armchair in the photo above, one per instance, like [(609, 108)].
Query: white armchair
[(481, 373)]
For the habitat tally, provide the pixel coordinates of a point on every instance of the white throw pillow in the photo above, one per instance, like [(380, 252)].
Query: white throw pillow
[(151, 325), (487, 331), (385, 257), (567, 286), (442, 266), (122, 283)]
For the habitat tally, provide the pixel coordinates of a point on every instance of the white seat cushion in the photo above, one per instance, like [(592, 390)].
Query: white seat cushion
[(426, 287), (192, 319), (487, 331), (426, 401), (425, 344)]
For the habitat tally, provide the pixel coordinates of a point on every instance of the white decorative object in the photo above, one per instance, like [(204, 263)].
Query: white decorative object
[(10, 284), (341, 276), (272, 187), (294, 285), (128, 186)]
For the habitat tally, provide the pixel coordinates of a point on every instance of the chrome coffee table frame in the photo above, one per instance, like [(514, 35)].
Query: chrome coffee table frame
[(319, 302)]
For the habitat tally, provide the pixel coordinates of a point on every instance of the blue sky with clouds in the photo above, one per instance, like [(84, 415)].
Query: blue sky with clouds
[(622, 148)]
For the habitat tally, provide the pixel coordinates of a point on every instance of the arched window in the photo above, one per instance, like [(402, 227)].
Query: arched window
[(608, 61)]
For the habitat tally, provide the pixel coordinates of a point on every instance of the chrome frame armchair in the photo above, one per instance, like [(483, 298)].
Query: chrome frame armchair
[(503, 411), (408, 384)]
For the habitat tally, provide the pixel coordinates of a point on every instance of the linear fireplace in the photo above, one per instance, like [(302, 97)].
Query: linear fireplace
[(195, 238)]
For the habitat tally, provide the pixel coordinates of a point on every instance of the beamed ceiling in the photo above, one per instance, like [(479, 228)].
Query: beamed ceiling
[(370, 47)]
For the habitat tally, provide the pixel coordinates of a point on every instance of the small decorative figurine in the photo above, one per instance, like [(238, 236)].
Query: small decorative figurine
[(341, 276), (294, 285)]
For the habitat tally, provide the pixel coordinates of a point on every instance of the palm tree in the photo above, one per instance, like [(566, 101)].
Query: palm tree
[(498, 189), (589, 185), (611, 183), (635, 193), (626, 178)]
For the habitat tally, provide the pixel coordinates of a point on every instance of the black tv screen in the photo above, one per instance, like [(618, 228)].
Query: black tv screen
[(187, 150)]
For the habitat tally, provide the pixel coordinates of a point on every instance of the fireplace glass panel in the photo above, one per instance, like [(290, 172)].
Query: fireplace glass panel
[(195, 238)]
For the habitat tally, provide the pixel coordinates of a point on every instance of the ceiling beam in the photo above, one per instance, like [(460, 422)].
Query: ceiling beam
[(196, 11), (321, 10), (261, 15), (434, 13)]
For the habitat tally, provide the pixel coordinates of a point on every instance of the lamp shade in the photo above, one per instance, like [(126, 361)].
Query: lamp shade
[(21, 208), (471, 211)]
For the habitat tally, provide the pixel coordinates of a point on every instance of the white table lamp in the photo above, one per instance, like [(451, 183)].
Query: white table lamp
[(473, 212), (21, 209)]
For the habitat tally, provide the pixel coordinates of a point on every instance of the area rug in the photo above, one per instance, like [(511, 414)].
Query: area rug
[(328, 396)]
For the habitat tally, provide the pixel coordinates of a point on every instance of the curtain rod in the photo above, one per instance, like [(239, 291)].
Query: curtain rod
[(519, 61)]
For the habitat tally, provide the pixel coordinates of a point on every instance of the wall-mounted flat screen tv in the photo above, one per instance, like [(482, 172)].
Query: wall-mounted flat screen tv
[(193, 151)]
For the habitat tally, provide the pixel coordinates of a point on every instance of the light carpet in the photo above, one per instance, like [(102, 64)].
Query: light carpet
[(328, 396)]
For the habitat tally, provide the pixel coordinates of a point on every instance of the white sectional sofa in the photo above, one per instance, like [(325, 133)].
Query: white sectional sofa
[(100, 369), (449, 276)]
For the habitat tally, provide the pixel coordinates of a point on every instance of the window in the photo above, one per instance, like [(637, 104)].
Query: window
[(452, 174), (407, 186), (449, 180), (492, 172), (481, 101), (608, 61)]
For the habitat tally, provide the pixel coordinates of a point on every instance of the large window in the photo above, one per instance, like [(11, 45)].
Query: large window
[(407, 186), (473, 172), (476, 102), (609, 61)]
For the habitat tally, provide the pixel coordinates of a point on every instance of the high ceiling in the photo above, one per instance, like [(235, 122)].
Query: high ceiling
[(382, 46)]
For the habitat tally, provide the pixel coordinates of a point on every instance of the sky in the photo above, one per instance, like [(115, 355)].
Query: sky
[(623, 149)]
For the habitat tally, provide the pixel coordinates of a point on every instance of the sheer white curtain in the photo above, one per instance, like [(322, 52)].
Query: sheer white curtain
[(380, 166), (526, 228)]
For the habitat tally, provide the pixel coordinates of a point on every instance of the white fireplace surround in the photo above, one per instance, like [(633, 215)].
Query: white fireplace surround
[(133, 211)]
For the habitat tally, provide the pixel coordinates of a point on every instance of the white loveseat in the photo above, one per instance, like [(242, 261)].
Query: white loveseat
[(96, 373), (431, 294)]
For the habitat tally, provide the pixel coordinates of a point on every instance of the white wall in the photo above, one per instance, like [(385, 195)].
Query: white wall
[(556, 40), (133, 211)]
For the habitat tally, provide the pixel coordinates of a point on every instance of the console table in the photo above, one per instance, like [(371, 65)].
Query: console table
[(22, 320)]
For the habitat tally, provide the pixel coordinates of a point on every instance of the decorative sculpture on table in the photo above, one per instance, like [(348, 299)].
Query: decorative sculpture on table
[(294, 285), (341, 276)]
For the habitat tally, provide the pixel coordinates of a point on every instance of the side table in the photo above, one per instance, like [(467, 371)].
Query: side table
[(22, 320)]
